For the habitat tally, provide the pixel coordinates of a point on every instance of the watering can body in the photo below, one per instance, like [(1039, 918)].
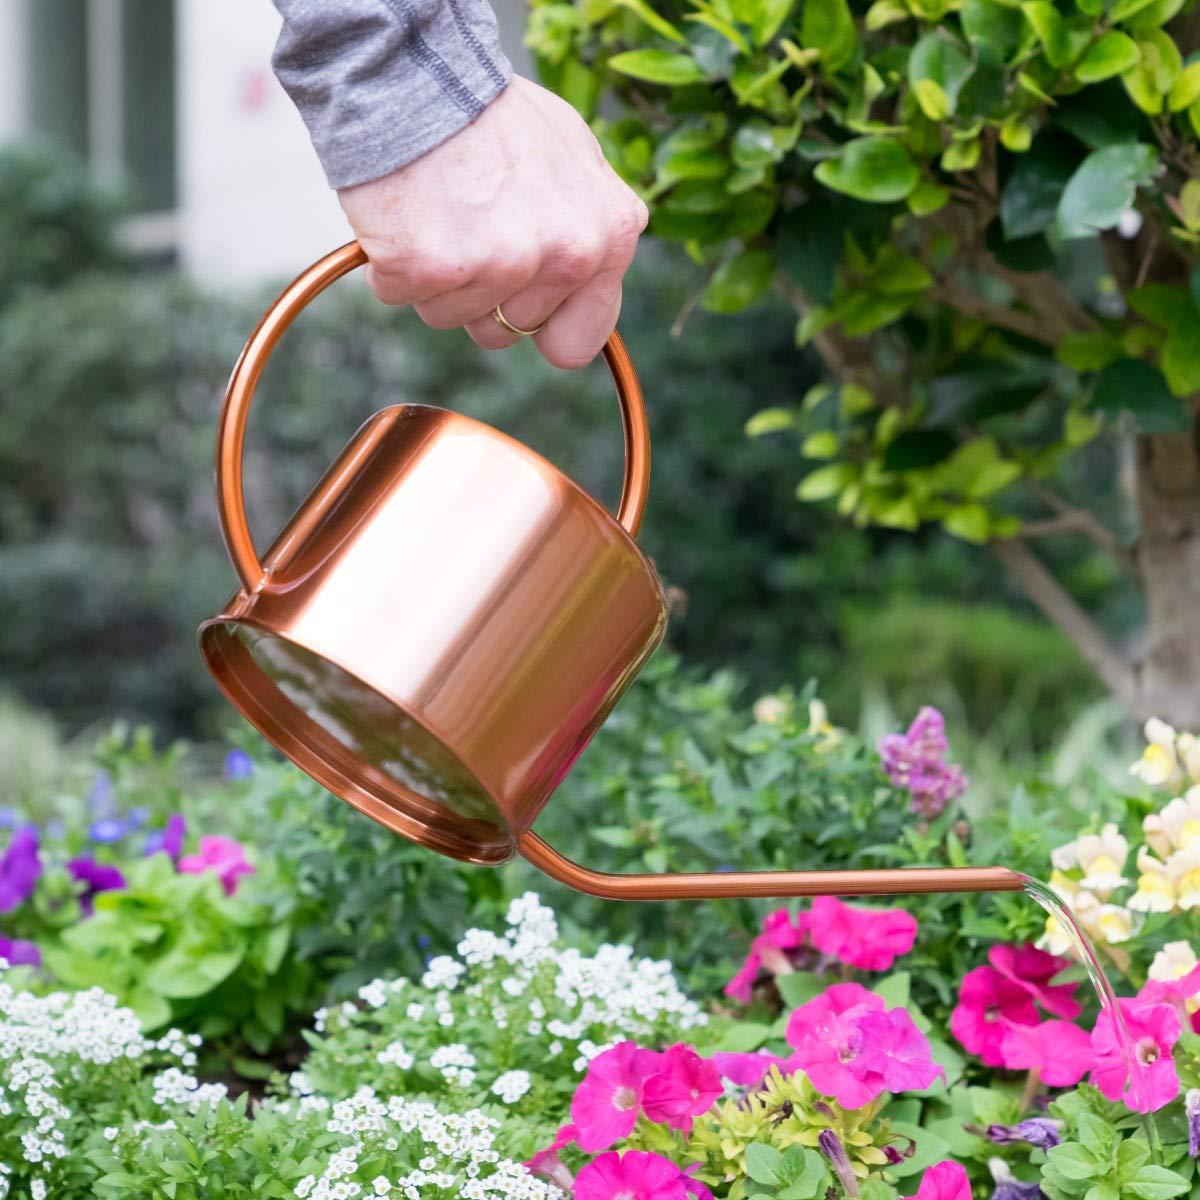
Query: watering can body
[(445, 623), (440, 630)]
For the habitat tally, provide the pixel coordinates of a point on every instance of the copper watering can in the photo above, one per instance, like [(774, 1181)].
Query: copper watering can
[(439, 631)]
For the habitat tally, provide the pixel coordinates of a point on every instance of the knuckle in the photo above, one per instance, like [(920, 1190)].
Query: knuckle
[(441, 271), (574, 260), (514, 268), (627, 226)]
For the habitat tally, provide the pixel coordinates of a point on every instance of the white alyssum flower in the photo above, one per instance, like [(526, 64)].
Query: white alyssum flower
[(395, 1055), (47, 1044), (442, 972), (512, 1085)]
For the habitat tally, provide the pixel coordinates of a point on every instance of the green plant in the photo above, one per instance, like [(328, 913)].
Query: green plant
[(986, 217), (505, 1024), (56, 220), (175, 949), (1099, 1159)]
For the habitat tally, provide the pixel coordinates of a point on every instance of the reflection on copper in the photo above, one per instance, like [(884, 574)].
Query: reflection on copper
[(445, 623)]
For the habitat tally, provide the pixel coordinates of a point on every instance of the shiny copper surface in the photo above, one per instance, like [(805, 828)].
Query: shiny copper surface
[(442, 627), (444, 624), (715, 885)]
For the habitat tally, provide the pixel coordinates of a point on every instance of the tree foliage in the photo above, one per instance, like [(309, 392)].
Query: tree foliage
[(985, 212)]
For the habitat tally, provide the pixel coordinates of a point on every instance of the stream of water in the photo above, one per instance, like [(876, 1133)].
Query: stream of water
[(1054, 906)]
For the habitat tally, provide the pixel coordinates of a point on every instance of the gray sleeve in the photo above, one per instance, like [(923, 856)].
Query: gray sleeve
[(380, 82)]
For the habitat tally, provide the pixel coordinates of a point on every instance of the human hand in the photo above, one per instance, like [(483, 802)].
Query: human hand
[(517, 209)]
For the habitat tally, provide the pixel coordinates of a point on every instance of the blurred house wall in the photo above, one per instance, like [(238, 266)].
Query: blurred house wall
[(187, 110)]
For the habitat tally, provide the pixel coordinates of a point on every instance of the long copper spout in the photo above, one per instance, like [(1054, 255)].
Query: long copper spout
[(711, 885)]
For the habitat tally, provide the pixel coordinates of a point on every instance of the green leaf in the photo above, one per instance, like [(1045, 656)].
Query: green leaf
[(1052, 31), (1113, 53), (1185, 91), (1088, 351), (770, 420), (822, 444), (895, 989), (770, 16), (1096, 1136), (1103, 187), (1131, 385), (876, 169), (1181, 354), (800, 987), (989, 23), (1154, 1183), (939, 60), (1073, 1162), (739, 282), (1104, 1190), (649, 17), (827, 26), (763, 1163), (658, 66), (969, 522), (1030, 198)]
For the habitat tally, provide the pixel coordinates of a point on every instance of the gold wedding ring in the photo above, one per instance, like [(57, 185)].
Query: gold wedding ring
[(501, 319)]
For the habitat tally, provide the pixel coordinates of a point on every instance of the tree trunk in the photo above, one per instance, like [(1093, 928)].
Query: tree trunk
[(1168, 558)]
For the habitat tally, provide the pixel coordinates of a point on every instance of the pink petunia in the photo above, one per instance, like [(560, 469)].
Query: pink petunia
[(1061, 1053), (1177, 993), (221, 855), (546, 1162), (987, 1003), (606, 1104), (683, 1086), (745, 1069), (694, 1187), (897, 1051), (870, 939), (633, 1175), (944, 1181), (1033, 969), (781, 932), (852, 1050), (1154, 1029)]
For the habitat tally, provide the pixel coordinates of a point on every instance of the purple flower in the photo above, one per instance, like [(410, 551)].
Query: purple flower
[(238, 765), (95, 877), (102, 799), (20, 868), (916, 761), (1015, 1189), (19, 953), (831, 1146), (113, 829), (169, 840), (9, 818), (1191, 1108), (1036, 1131)]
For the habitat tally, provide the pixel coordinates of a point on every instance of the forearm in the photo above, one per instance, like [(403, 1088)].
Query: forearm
[(381, 82)]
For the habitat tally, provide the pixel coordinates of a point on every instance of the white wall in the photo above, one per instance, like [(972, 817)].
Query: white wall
[(12, 68), (253, 201)]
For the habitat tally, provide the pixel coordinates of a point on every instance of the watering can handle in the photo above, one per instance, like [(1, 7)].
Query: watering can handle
[(231, 427)]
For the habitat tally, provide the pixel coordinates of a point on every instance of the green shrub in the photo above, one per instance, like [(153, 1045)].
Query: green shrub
[(55, 220), (996, 665)]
